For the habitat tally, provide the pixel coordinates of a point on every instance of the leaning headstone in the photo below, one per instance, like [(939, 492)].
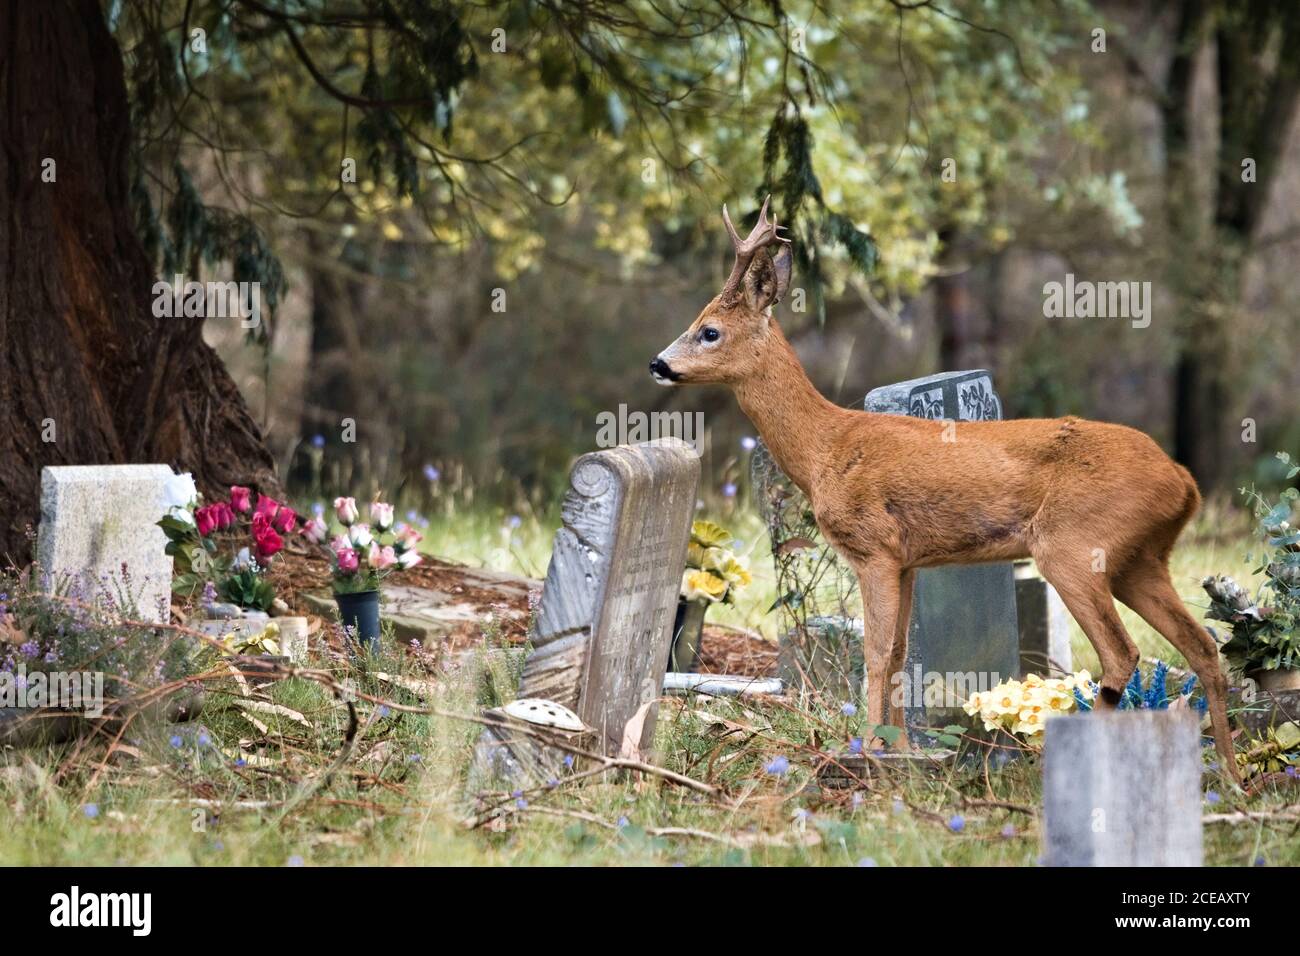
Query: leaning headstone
[(963, 625), (1044, 624), (97, 520), (601, 636), (1122, 789)]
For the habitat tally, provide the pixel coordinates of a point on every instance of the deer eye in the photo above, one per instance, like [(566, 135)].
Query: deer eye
[(709, 334)]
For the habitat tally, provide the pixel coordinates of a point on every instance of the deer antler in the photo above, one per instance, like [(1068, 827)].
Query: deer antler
[(763, 234)]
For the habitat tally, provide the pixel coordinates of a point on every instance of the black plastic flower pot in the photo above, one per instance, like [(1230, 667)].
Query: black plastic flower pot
[(359, 614)]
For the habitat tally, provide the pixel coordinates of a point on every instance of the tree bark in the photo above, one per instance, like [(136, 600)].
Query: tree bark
[(89, 375)]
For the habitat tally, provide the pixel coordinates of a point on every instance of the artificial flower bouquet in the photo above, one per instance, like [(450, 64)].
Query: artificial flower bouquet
[(362, 554), (713, 572), (1022, 707), (228, 544), (1265, 626)]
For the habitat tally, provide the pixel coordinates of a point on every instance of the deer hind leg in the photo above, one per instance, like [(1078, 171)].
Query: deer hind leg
[(879, 583), (1145, 586), (1087, 594)]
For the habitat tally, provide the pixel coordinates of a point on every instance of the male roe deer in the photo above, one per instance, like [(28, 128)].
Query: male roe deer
[(1098, 506)]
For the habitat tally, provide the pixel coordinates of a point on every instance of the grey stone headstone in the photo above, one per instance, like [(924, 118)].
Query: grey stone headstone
[(601, 636), (1044, 625), (1122, 789), (97, 518), (963, 618)]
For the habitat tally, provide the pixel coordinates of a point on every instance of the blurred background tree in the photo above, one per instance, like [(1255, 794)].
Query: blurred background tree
[(475, 223)]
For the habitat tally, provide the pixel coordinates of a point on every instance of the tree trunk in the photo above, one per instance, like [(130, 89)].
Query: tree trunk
[(89, 375)]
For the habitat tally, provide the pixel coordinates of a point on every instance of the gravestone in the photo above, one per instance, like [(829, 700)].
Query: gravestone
[(97, 518), (601, 636), (1044, 623), (1122, 789), (963, 618)]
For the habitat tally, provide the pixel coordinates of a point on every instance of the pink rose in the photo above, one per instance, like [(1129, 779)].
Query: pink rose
[(223, 514), (409, 559), (348, 561), (381, 515), (346, 509), (205, 520), (267, 505), (285, 520), (266, 543), (239, 498), (380, 558), (408, 538), (340, 543), (315, 531)]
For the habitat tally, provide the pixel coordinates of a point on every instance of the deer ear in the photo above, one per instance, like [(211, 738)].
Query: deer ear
[(767, 279)]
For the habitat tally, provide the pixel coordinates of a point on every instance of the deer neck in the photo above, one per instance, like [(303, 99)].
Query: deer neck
[(791, 416)]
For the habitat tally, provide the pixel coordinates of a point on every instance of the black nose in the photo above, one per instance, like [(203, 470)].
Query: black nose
[(659, 367)]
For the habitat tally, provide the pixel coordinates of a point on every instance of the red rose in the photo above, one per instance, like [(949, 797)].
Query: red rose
[(267, 505), (223, 514), (266, 543), (285, 520), (205, 520), (239, 498)]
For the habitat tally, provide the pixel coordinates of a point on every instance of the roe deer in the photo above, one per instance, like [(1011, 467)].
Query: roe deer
[(1098, 506)]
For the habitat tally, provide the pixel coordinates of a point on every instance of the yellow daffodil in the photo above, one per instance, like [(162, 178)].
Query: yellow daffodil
[(703, 585), (710, 535)]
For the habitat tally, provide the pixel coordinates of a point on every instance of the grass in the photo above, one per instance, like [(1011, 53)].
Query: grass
[(399, 797)]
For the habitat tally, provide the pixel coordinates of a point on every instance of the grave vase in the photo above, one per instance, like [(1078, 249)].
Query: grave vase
[(688, 628), (360, 611)]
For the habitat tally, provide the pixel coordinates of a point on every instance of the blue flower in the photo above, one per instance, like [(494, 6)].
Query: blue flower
[(204, 739), (623, 823), (432, 473), (848, 710), (318, 441), (899, 805), (729, 490), (749, 443), (91, 810), (176, 741), (855, 745), (777, 766), (295, 860), (867, 861), (318, 508), (521, 803), (1212, 797), (802, 814), (1009, 831), (241, 762), (383, 711), (1290, 771), (956, 823), (514, 521), (568, 760)]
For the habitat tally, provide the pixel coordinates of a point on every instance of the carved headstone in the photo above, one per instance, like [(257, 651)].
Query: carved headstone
[(1122, 789), (963, 623), (98, 519), (601, 637)]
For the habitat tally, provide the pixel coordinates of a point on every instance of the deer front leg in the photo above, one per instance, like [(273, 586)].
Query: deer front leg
[(879, 582)]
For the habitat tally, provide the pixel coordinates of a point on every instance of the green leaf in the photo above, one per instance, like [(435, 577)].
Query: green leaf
[(888, 733)]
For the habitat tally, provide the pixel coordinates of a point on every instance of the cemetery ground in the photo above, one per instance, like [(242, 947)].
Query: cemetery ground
[(290, 775)]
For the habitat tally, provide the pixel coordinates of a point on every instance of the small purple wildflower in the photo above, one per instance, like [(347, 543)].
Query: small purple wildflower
[(849, 710), (729, 490), (318, 441), (777, 766), (1212, 797), (868, 861), (956, 823), (295, 860), (91, 810), (1009, 831), (623, 823), (176, 741), (432, 473)]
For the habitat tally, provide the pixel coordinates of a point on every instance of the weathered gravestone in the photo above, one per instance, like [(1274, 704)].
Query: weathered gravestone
[(963, 618), (1122, 789), (98, 519), (603, 628), (1044, 624)]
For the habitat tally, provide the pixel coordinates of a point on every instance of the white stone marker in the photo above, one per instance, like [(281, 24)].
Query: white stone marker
[(1122, 789), (96, 518)]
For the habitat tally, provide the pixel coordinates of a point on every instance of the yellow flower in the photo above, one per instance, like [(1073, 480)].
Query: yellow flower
[(703, 585), (735, 573), (710, 535), (1029, 724)]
